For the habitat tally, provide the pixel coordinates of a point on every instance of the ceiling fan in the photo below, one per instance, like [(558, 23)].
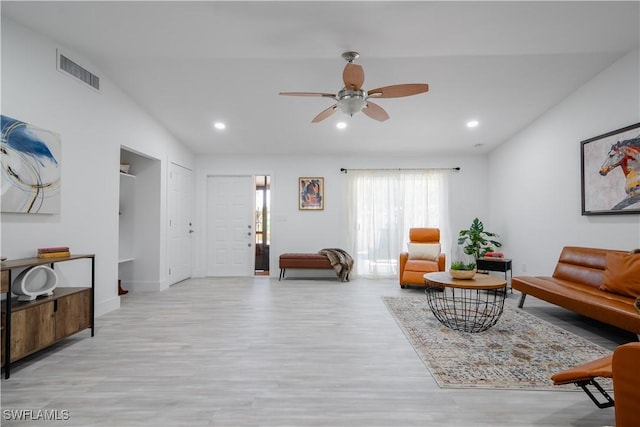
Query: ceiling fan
[(352, 98)]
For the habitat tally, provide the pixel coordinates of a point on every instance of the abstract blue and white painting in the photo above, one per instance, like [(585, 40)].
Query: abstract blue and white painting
[(30, 159)]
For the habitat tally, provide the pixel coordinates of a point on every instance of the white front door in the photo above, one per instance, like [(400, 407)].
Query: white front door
[(230, 222), (180, 223)]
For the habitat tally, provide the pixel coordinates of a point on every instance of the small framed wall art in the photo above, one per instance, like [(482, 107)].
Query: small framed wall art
[(611, 172), (311, 193)]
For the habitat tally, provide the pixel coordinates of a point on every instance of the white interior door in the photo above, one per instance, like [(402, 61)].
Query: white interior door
[(180, 223), (230, 240)]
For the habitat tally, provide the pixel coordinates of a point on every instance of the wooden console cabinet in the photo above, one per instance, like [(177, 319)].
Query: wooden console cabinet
[(30, 326), (486, 264)]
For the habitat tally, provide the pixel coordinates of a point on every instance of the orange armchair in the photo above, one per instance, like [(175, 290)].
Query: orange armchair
[(423, 256)]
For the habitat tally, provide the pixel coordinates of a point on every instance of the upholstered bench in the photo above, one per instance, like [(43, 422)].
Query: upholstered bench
[(303, 261)]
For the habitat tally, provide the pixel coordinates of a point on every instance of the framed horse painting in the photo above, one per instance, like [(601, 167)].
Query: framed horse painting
[(611, 172)]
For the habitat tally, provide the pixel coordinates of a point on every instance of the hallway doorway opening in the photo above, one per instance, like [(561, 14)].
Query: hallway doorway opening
[(262, 224)]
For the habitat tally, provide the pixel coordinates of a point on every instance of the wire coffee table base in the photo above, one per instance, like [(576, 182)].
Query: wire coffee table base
[(465, 305)]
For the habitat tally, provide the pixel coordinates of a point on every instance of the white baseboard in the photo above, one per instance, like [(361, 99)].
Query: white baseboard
[(105, 307), (143, 286)]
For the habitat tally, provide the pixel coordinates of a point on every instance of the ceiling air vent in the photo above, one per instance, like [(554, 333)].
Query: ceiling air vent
[(79, 72)]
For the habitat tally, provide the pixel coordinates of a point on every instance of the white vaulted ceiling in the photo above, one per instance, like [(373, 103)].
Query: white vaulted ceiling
[(189, 64)]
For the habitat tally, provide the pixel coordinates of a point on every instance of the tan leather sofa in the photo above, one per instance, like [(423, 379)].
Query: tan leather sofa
[(575, 285), (411, 271)]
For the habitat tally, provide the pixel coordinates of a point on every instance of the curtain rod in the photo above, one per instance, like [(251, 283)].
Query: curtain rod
[(457, 168)]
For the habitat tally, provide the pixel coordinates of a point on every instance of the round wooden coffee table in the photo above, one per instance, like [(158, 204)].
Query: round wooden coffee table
[(472, 305)]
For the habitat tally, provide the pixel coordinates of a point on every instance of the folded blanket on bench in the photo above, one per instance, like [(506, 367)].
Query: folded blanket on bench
[(341, 261)]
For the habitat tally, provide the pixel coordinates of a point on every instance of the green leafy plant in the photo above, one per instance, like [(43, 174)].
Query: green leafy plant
[(477, 242), (459, 265)]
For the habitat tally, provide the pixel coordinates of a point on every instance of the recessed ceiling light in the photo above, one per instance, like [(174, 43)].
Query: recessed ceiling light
[(341, 125), (472, 123), (219, 125)]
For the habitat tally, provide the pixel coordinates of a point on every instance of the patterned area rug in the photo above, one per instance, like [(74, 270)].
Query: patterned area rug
[(520, 352)]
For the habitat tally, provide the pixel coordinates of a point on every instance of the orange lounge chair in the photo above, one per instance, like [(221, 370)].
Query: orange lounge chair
[(585, 375), (624, 370)]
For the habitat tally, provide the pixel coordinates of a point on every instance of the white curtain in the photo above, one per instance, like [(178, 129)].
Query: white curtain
[(383, 205)]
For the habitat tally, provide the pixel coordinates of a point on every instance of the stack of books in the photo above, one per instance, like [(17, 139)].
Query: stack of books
[(55, 252), (494, 255)]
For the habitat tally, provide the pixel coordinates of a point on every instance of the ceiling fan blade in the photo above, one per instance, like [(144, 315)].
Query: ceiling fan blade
[(375, 112), (353, 76), (324, 114), (318, 94), (398, 91)]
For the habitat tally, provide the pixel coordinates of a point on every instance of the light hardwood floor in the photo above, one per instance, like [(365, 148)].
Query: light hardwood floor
[(259, 352)]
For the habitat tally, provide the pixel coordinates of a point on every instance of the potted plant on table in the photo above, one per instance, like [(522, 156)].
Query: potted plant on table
[(477, 242), (460, 270)]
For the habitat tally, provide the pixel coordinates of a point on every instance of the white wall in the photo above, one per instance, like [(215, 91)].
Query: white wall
[(92, 126), (309, 231), (535, 190), (533, 201)]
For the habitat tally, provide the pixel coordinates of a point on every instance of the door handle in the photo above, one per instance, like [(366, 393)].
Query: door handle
[(190, 231), (249, 234)]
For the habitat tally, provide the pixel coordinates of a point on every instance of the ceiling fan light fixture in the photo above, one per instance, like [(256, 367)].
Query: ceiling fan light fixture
[(351, 101)]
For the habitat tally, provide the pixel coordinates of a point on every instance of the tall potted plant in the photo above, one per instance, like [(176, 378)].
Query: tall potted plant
[(477, 242)]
